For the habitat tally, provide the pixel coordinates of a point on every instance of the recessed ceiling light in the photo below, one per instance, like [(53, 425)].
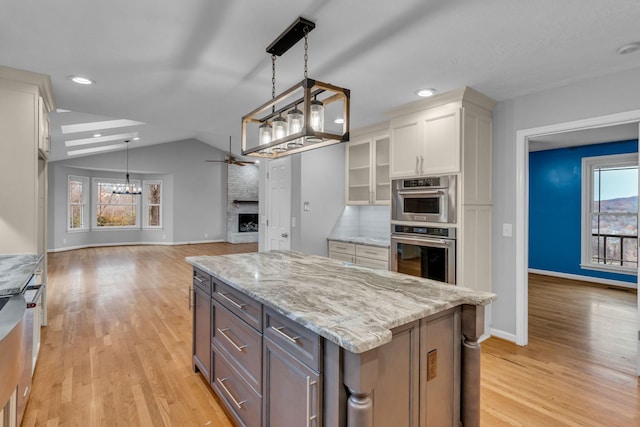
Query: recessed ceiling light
[(96, 135), (81, 80), (425, 93), (137, 138), (629, 48), (339, 121)]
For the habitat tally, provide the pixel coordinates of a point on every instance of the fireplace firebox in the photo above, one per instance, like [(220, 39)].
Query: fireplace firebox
[(247, 223)]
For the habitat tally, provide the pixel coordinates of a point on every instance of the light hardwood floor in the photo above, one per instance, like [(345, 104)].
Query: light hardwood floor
[(117, 351)]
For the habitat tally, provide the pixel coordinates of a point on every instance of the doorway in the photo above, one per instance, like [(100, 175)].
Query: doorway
[(523, 138), (278, 204)]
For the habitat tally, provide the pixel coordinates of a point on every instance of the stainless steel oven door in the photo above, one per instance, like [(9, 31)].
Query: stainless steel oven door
[(431, 258)]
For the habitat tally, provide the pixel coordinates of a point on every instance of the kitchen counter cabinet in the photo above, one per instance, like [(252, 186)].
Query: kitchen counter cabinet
[(364, 345), (374, 255), (202, 321)]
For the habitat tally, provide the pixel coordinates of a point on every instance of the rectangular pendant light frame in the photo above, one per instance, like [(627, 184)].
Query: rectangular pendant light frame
[(311, 89)]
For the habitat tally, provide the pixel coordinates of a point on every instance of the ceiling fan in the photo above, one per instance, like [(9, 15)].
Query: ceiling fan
[(230, 159)]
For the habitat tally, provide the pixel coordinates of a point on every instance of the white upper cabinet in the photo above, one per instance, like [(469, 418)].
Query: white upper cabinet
[(426, 143), (367, 164)]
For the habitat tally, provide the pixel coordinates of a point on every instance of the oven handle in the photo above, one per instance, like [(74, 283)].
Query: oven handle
[(439, 242), (421, 193)]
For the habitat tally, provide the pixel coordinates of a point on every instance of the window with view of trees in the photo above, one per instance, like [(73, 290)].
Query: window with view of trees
[(152, 198), (114, 210), (77, 210), (610, 213)]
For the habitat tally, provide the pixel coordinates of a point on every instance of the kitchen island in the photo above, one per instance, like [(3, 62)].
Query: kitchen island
[(298, 339)]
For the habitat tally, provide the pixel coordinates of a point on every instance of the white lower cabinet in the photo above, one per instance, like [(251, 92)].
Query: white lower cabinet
[(359, 254)]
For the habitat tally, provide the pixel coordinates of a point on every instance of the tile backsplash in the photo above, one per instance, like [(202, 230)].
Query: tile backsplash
[(366, 221)]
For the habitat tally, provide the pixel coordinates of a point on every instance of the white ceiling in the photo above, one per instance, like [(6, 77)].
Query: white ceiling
[(193, 68)]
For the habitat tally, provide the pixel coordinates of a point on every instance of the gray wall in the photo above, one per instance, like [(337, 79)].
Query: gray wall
[(322, 177), (593, 98), (194, 205)]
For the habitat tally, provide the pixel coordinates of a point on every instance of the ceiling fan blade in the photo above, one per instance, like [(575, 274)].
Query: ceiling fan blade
[(245, 163), (216, 161)]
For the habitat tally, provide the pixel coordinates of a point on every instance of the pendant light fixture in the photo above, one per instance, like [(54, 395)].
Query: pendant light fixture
[(266, 132), (127, 188)]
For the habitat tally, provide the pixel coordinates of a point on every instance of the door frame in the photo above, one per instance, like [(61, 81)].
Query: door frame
[(522, 206)]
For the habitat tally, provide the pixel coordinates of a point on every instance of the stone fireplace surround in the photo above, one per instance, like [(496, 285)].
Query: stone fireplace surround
[(242, 198)]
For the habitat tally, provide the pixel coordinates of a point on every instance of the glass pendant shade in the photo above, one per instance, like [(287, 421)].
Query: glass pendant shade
[(295, 119), (265, 133), (316, 116), (280, 127)]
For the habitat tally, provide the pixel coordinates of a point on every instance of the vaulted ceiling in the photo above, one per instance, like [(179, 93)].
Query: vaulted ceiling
[(193, 68)]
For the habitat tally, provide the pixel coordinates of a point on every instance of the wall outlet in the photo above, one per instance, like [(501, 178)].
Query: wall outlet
[(164, 237), (507, 230), (64, 241), (206, 235), (293, 221)]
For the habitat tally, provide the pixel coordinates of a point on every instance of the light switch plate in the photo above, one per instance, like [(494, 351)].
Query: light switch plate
[(306, 206), (507, 230)]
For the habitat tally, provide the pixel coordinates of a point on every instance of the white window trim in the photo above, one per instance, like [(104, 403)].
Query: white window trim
[(588, 163), (86, 208), (145, 203), (94, 205)]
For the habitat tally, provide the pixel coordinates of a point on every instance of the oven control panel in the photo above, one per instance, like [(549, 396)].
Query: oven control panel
[(444, 232)]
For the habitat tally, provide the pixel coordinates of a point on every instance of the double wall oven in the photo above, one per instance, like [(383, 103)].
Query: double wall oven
[(423, 235)]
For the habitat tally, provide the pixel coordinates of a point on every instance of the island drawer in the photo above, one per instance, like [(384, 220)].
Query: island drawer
[(294, 338), (372, 252), (202, 280), (240, 342), (342, 247), (239, 304), (240, 398)]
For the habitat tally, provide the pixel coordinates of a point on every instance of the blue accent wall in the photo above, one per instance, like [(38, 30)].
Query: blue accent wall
[(555, 190)]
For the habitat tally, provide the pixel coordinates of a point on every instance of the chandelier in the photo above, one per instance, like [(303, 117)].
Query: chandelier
[(294, 121), (127, 187)]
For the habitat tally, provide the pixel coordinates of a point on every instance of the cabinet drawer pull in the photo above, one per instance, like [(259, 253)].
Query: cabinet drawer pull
[(235, 304), (309, 417), (226, 390), (289, 338), (198, 279), (236, 346)]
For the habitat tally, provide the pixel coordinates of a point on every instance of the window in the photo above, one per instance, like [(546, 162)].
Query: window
[(114, 210), (610, 213), (77, 210), (152, 204)]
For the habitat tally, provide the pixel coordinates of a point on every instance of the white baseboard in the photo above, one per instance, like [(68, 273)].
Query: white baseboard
[(98, 245), (504, 335), (619, 283)]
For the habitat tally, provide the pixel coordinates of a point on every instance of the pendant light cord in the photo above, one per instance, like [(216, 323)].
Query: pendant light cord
[(306, 48), (273, 81)]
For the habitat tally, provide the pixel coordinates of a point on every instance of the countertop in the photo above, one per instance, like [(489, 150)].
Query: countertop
[(364, 240), (354, 307), (15, 272)]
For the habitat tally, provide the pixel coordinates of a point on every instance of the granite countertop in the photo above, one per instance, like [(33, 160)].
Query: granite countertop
[(354, 307), (15, 272), (364, 240)]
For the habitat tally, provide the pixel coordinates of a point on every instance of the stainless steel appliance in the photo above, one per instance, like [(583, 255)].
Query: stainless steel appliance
[(422, 251), (428, 199)]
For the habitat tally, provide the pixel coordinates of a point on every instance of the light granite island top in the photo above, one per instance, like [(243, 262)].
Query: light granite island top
[(15, 272), (354, 307)]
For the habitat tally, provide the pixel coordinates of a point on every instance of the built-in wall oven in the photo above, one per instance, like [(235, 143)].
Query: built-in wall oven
[(422, 200), (424, 251)]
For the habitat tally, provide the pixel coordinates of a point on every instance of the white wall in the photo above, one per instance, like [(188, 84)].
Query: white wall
[(194, 205), (593, 98)]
